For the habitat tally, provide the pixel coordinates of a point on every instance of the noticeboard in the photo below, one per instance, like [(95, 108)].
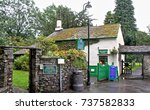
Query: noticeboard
[(49, 69)]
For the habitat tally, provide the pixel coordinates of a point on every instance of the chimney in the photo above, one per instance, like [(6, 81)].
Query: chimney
[(58, 25)]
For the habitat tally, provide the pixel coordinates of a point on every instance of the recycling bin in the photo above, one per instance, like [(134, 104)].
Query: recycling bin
[(113, 74), (103, 71), (93, 71)]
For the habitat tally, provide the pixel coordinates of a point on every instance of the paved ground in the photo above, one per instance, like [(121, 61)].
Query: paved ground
[(135, 74), (129, 84), (19, 90), (121, 86)]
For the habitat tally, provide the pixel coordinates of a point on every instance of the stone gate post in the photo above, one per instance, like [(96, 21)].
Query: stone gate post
[(6, 68), (34, 64), (146, 66)]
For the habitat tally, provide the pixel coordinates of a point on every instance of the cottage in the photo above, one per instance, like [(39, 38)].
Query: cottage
[(104, 42)]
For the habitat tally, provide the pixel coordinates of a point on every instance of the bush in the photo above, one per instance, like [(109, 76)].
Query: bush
[(46, 44), (22, 62), (77, 57)]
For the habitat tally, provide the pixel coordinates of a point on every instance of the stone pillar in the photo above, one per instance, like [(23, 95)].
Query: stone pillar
[(6, 68), (35, 55), (146, 66), (2, 75)]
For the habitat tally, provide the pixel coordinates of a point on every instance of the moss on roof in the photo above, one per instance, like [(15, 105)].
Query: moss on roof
[(104, 31)]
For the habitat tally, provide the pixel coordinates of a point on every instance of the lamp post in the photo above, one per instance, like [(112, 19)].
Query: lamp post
[(85, 6)]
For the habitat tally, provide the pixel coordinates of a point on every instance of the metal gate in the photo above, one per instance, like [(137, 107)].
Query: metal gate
[(126, 67)]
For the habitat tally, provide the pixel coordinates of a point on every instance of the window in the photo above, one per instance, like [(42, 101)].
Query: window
[(103, 55), (103, 59)]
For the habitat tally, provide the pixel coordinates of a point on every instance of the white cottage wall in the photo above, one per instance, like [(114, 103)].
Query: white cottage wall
[(120, 41), (108, 43)]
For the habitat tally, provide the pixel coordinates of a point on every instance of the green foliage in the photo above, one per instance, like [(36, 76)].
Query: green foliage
[(76, 56), (52, 13), (136, 66), (21, 79), (142, 38), (3, 41), (20, 41), (22, 62), (66, 45), (109, 18), (82, 19), (124, 14), (16, 41), (18, 18), (113, 51), (46, 44), (22, 18)]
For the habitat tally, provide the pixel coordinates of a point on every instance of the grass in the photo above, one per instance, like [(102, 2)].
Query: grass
[(21, 79), (136, 66)]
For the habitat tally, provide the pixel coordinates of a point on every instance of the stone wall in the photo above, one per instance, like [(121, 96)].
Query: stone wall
[(48, 82), (51, 82), (38, 82), (146, 66), (5, 90)]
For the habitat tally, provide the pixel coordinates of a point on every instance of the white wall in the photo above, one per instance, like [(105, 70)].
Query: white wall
[(108, 43), (102, 44), (120, 40)]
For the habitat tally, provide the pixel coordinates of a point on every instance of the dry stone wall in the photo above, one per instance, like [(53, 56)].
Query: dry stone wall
[(51, 82)]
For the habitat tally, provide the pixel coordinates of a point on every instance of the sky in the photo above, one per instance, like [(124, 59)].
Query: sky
[(101, 7)]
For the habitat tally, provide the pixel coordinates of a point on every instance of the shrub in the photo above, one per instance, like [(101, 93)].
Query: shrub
[(22, 62), (46, 44), (77, 57)]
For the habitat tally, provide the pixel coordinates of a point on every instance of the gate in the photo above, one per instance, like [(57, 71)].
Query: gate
[(6, 68), (134, 65), (126, 67)]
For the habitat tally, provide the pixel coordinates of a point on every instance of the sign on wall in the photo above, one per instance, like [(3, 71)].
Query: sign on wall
[(49, 69), (103, 51), (80, 44)]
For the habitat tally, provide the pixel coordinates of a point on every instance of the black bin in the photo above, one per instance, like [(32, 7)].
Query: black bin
[(77, 81)]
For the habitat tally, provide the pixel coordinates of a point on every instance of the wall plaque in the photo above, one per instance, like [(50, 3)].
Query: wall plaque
[(49, 69)]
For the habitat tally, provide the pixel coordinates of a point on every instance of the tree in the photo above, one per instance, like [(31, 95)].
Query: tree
[(47, 20), (82, 19), (46, 44), (18, 18), (142, 38), (109, 18), (124, 14), (69, 18)]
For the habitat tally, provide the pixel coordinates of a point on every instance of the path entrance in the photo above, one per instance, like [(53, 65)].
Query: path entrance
[(6, 67), (142, 52)]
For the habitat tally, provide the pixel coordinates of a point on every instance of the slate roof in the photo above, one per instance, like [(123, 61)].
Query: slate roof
[(104, 31)]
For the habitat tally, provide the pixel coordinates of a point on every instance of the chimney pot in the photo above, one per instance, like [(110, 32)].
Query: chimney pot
[(58, 25)]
